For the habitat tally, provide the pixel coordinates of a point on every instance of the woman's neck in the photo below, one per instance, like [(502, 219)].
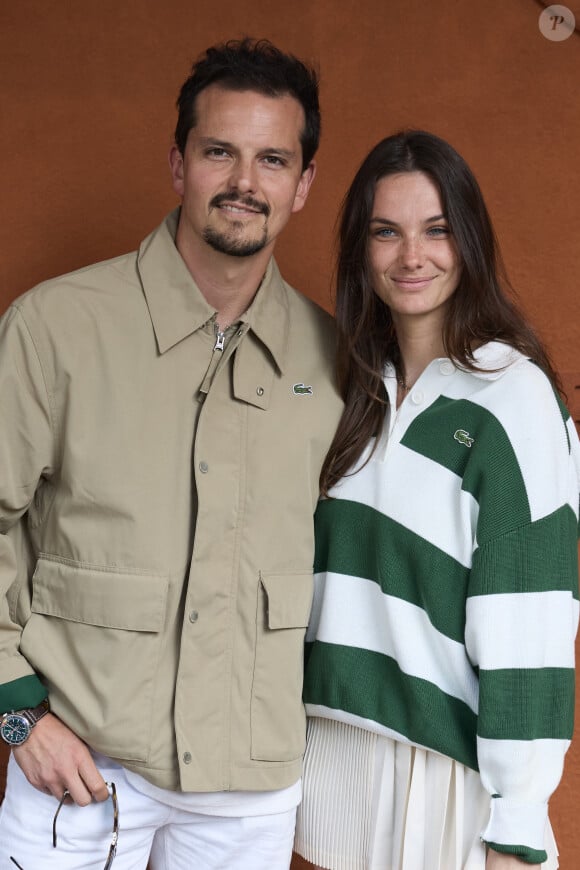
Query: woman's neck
[(420, 341)]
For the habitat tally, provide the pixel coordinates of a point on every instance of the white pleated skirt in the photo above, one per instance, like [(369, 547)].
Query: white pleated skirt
[(371, 803)]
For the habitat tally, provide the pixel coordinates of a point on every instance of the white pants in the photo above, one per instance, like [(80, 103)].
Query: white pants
[(169, 838)]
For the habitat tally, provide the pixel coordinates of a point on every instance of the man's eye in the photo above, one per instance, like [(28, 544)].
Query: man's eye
[(216, 152), (273, 160)]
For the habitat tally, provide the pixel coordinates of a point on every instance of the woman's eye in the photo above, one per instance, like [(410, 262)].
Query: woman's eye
[(436, 232), (385, 233)]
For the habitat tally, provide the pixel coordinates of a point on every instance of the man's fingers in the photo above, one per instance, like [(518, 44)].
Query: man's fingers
[(78, 793), (101, 793), (53, 760), (92, 780)]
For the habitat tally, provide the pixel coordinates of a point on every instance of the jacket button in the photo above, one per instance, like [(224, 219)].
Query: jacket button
[(203, 467), (193, 614), (260, 391), (187, 757)]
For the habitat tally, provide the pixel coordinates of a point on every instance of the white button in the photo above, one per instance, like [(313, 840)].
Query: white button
[(447, 368), (417, 397)]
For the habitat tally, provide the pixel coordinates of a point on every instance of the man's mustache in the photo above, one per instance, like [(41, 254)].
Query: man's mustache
[(232, 198)]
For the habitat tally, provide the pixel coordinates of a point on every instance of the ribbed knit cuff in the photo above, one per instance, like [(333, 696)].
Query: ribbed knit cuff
[(517, 829), (22, 693)]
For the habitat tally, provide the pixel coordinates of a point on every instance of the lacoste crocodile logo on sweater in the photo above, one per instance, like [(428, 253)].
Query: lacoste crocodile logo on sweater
[(302, 390), (463, 437)]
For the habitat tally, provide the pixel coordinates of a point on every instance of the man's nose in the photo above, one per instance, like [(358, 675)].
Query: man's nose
[(243, 177)]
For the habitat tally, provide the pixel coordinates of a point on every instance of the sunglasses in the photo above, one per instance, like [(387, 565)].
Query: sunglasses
[(114, 836)]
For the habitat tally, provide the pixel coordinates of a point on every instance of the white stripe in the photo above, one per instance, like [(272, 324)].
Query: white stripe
[(525, 771), (575, 462), (356, 613), (525, 406), (449, 529), (521, 630)]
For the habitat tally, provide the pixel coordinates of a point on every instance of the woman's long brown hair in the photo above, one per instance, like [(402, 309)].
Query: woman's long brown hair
[(479, 311)]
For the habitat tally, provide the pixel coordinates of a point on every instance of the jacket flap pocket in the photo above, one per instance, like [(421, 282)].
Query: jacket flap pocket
[(289, 599), (113, 599)]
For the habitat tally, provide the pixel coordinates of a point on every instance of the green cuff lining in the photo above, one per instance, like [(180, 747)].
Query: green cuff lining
[(22, 693), (530, 856)]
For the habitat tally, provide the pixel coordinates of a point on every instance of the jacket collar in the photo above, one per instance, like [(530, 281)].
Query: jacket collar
[(178, 308)]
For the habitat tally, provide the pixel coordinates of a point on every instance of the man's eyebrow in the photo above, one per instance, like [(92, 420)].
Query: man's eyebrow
[(281, 152), (215, 143), (210, 141)]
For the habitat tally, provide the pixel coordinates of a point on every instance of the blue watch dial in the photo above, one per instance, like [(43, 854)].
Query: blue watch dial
[(15, 729)]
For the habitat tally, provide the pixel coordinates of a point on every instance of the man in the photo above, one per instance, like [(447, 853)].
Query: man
[(164, 419)]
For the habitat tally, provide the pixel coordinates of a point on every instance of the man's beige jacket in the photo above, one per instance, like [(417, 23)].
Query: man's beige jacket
[(156, 505)]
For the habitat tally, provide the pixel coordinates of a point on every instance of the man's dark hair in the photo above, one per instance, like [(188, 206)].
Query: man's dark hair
[(252, 65)]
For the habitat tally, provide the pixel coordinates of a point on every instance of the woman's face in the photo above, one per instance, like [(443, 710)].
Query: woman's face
[(413, 257)]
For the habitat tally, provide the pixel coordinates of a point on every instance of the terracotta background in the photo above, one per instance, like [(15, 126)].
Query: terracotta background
[(87, 114)]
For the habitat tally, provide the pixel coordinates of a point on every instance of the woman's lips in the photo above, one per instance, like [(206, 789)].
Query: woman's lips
[(412, 283)]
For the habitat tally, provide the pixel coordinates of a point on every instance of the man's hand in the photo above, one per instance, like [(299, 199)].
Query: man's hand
[(498, 861), (54, 759)]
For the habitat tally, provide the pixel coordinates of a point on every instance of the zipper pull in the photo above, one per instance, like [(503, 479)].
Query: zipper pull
[(220, 340)]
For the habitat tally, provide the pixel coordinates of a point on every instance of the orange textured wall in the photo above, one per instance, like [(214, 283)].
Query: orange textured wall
[(88, 91)]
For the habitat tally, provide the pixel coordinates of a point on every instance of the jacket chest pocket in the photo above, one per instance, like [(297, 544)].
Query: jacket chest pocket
[(278, 719), (95, 636)]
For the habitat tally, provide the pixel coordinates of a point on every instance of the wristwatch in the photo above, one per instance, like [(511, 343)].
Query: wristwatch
[(15, 727)]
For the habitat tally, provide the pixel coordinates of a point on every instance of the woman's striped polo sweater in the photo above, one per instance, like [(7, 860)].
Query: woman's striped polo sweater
[(446, 587)]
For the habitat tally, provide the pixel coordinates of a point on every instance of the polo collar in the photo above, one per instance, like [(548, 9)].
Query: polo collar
[(178, 308), (492, 360)]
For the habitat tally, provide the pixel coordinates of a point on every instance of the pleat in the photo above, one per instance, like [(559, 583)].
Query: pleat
[(371, 803), (334, 821)]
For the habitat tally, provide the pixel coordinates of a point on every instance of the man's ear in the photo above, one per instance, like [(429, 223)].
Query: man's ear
[(303, 188), (175, 158)]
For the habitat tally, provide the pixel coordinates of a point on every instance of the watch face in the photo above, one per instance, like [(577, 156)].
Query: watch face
[(15, 729)]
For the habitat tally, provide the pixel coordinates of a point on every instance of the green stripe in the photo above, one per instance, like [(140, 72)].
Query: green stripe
[(22, 693), (526, 704), (530, 856), (538, 557), (489, 468), (356, 540), (349, 679)]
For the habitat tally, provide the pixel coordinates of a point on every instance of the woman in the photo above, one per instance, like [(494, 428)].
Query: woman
[(439, 678)]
